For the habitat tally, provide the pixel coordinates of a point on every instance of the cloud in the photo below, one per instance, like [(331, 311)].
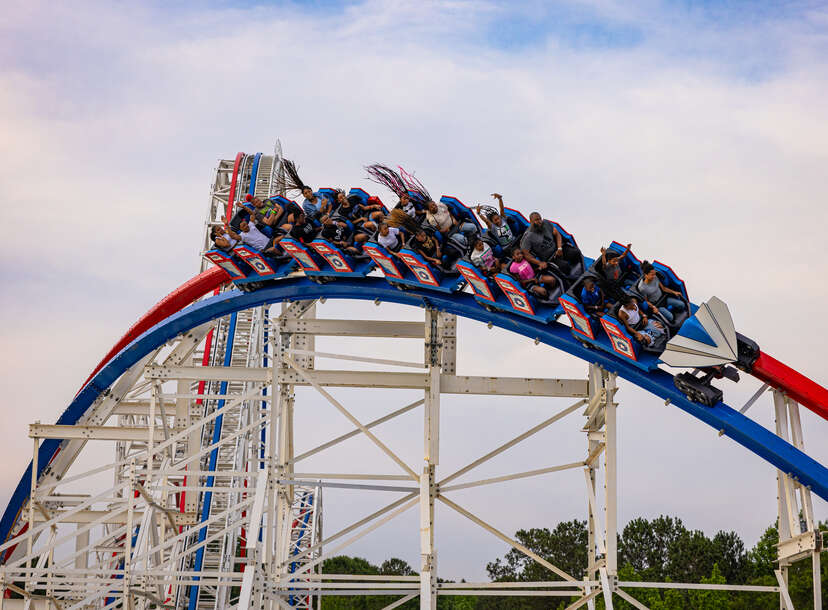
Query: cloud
[(696, 134)]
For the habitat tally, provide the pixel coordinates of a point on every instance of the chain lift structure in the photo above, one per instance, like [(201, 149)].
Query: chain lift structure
[(206, 503)]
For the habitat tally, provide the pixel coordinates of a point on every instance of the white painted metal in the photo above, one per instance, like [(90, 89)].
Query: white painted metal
[(132, 542), (799, 535), (716, 320)]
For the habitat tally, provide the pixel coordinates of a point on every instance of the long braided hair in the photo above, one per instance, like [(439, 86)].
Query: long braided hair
[(413, 185), (387, 177), (289, 179)]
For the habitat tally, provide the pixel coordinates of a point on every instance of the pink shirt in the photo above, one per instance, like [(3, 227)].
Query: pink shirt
[(523, 269)]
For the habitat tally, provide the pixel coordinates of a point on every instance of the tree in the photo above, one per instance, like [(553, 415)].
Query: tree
[(646, 545), (564, 547), (396, 567), (710, 600), (731, 557)]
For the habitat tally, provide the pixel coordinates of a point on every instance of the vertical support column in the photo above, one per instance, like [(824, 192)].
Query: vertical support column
[(786, 524), (281, 453), (783, 526), (129, 493), (611, 472), (271, 460), (817, 577), (601, 436), (32, 496), (805, 500), (431, 453), (594, 443), (81, 542)]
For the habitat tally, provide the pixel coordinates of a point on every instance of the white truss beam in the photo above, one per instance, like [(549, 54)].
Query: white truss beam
[(449, 384)]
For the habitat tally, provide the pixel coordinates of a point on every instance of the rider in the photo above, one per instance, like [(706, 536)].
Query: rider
[(389, 237), (653, 291), (497, 225), (523, 270), (645, 331), (613, 273), (249, 234), (426, 246), (304, 230), (483, 257), (542, 243), (592, 298), (315, 206)]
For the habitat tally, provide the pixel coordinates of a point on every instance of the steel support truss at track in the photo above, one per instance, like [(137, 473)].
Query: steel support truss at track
[(204, 505), (73, 552)]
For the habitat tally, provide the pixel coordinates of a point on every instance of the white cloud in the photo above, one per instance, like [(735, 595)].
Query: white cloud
[(112, 120)]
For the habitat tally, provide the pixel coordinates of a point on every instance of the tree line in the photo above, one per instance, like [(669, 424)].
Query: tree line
[(657, 550)]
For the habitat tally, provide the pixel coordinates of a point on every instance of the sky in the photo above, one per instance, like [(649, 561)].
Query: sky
[(695, 130)]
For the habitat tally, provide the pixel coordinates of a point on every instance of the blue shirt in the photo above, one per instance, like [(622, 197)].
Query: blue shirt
[(591, 297), (312, 210)]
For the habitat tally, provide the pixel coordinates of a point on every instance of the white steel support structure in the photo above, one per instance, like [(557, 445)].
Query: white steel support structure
[(84, 557), (212, 415), (440, 355), (600, 428), (799, 534)]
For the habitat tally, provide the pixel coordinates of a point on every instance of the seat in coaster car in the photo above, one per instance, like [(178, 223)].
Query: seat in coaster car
[(574, 289), (554, 293), (656, 348), (454, 252)]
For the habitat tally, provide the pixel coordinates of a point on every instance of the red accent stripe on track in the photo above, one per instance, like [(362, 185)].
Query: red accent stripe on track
[(805, 391), (181, 297)]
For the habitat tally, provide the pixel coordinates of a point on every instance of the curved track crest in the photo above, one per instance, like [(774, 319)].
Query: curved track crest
[(743, 430)]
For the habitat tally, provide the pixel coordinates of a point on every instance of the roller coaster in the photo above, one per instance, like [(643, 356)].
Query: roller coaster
[(205, 508)]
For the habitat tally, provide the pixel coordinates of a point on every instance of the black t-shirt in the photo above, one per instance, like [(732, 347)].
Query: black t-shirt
[(304, 232), (348, 211), (292, 208), (427, 247), (336, 232)]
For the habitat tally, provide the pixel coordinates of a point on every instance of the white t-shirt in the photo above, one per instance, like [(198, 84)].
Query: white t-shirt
[(483, 258), (441, 219), (391, 240), (232, 242), (254, 237)]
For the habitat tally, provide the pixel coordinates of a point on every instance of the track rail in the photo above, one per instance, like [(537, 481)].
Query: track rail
[(743, 430)]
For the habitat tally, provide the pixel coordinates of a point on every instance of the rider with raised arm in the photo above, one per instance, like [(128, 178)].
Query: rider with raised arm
[(497, 225), (612, 273), (409, 207), (249, 234), (222, 239)]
